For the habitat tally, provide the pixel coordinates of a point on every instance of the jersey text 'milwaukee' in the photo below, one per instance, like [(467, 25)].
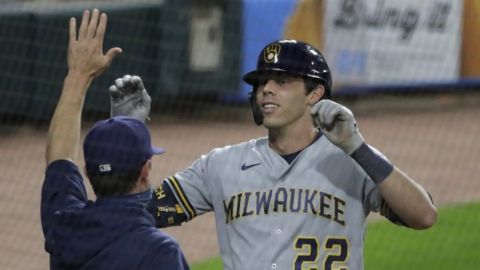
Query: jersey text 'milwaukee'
[(283, 200)]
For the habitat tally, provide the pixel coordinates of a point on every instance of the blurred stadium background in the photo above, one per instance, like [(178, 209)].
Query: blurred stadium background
[(409, 70)]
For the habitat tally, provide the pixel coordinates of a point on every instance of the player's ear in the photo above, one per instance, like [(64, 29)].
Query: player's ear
[(316, 95)]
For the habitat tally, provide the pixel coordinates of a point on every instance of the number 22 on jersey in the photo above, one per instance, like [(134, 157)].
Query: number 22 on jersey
[(336, 253)]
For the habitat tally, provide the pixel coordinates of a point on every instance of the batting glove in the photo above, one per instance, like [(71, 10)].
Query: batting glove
[(337, 123), (128, 97)]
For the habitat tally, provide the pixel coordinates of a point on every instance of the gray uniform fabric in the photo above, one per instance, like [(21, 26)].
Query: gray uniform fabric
[(274, 215)]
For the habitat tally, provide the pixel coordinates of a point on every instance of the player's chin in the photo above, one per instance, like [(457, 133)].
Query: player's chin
[(271, 122)]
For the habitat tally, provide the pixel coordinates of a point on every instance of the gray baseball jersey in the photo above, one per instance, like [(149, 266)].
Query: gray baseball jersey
[(309, 214)]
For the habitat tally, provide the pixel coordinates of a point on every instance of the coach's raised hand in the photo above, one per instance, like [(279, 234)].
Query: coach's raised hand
[(85, 52), (86, 61)]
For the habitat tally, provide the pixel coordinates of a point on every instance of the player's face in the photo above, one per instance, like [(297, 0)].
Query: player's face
[(283, 100)]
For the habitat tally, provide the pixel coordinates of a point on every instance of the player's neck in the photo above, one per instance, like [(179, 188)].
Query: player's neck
[(290, 140)]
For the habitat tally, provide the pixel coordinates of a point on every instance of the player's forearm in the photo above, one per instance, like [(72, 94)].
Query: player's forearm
[(403, 195), (408, 200), (64, 131)]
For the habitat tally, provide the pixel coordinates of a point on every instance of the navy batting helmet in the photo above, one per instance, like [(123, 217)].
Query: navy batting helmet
[(292, 57)]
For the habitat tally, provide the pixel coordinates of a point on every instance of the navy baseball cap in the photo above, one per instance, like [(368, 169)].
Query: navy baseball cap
[(115, 145)]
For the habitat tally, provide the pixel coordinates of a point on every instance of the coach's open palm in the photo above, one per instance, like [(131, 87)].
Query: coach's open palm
[(86, 61), (85, 53), (128, 97), (338, 124)]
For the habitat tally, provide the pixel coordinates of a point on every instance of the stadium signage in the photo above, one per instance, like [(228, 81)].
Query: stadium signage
[(393, 41)]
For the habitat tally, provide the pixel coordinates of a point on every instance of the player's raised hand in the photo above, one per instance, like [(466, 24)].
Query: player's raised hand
[(128, 97), (338, 124), (85, 52)]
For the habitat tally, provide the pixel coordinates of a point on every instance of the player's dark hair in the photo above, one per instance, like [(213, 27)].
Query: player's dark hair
[(114, 184), (311, 84)]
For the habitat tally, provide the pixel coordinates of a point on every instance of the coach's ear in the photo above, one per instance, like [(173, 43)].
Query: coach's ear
[(145, 170), (85, 171), (316, 95)]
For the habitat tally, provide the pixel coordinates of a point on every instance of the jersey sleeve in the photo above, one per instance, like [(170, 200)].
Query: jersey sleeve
[(387, 212), (165, 207), (373, 199), (183, 196), (62, 188), (375, 202)]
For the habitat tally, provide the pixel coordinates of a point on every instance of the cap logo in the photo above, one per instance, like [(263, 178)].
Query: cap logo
[(105, 167), (270, 54)]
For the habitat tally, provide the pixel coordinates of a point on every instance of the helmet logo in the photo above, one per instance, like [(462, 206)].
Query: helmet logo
[(270, 54)]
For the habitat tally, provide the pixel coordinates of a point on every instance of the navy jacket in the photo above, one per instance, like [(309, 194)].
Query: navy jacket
[(110, 233)]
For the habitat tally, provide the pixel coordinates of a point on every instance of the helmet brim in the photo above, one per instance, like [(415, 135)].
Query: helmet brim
[(252, 76)]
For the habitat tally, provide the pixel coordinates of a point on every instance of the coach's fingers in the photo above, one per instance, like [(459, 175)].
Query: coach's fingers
[(93, 24), (112, 54), (83, 25), (100, 30), (72, 31)]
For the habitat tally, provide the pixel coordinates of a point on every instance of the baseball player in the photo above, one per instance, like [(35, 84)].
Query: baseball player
[(298, 198), (116, 231)]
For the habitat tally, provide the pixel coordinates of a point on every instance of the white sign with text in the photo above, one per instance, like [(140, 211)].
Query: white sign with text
[(393, 41)]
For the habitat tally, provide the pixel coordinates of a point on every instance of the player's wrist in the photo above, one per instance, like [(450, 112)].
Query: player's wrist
[(374, 164), (353, 144)]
